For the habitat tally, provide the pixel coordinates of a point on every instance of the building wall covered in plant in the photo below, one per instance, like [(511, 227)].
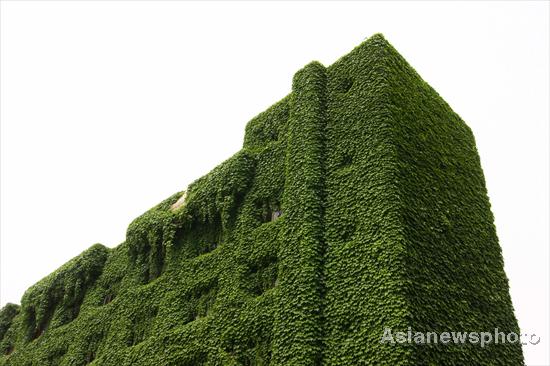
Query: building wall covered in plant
[(356, 203)]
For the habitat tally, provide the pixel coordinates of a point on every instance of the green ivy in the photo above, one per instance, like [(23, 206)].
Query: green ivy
[(356, 203)]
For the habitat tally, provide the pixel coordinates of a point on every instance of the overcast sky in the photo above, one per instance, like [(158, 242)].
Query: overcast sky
[(109, 107)]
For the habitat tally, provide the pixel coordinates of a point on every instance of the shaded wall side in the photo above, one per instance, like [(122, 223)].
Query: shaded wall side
[(454, 266)]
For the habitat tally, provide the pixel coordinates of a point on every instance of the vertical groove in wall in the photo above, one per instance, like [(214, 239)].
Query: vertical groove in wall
[(298, 328)]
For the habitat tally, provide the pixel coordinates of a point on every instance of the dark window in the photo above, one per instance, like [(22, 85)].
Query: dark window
[(345, 85), (276, 214)]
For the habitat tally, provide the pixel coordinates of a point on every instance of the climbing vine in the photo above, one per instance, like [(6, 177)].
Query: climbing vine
[(356, 203)]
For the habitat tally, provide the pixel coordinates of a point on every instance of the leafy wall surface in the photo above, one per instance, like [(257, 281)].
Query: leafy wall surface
[(357, 203)]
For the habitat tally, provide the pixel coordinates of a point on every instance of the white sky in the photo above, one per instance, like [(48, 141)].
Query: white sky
[(109, 107)]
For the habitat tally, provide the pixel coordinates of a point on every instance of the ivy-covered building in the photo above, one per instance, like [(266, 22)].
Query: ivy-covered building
[(356, 204)]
